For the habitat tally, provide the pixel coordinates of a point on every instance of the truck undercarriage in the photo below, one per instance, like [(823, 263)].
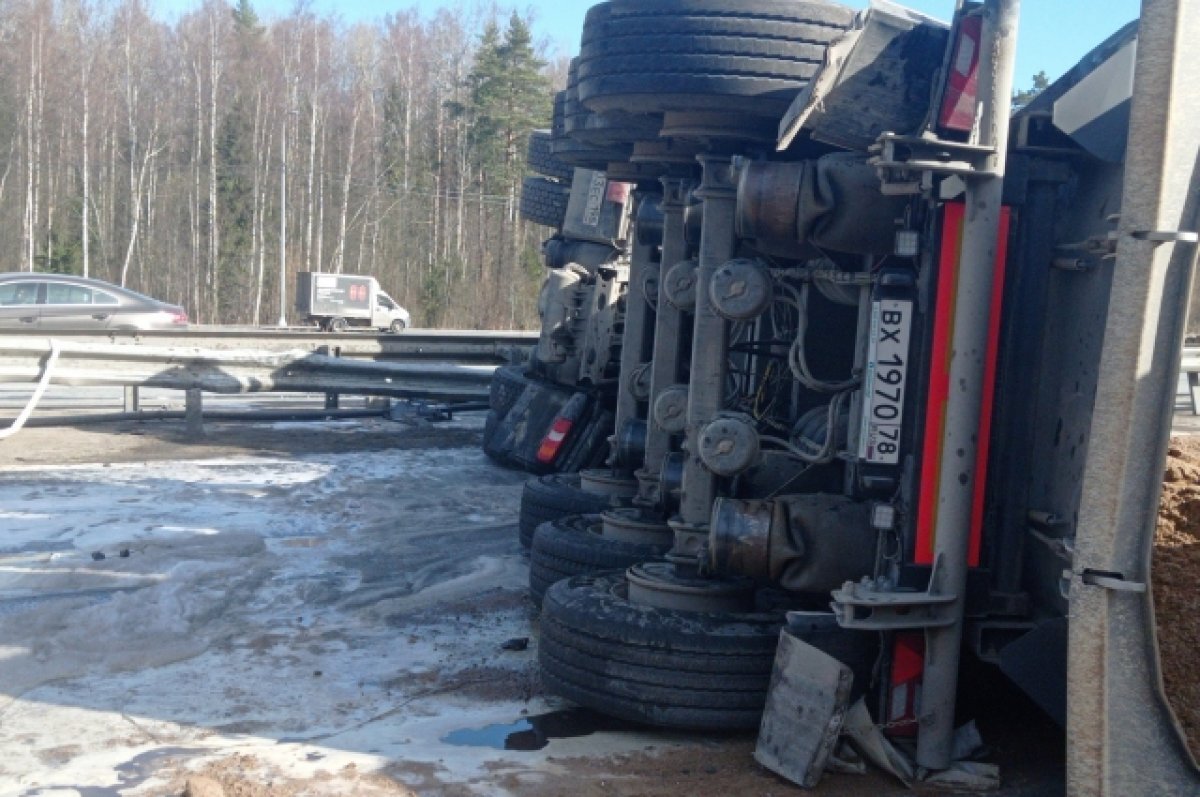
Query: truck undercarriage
[(861, 339)]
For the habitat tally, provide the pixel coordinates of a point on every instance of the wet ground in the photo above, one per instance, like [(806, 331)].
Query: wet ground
[(326, 609)]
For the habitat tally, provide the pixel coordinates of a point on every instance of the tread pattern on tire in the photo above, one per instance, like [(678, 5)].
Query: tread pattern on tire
[(652, 56), (542, 160), (544, 201), (553, 496), (662, 667), (570, 546), (817, 12), (712, 46), (767, 29), (557, 125)]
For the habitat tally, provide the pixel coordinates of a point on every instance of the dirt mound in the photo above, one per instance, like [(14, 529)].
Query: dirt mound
[(1176, 579)]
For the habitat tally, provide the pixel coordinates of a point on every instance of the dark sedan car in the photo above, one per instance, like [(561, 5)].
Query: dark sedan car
[(57, 301)]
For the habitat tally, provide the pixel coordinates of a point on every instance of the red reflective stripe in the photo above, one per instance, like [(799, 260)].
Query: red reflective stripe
[(939, 386), (989, 391), (939, 381)]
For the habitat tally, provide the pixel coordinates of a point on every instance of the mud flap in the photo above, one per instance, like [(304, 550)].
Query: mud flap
[(808, 712), (806, 704)]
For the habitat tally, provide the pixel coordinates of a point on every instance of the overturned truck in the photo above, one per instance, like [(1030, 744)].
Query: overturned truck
[(861, 346)]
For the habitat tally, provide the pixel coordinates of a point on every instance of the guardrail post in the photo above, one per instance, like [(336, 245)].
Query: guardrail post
[(194, 413), (132, 399), (332, 399)]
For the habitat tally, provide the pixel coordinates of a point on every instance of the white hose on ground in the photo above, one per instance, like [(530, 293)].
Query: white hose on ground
[(31, 405)]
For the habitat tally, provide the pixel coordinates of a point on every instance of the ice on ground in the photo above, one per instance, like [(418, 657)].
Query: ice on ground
[(324, 605)]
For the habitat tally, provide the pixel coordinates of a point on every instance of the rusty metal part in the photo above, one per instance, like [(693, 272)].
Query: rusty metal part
[(802, 543), (769, 199), (740, 537), (834, 202)]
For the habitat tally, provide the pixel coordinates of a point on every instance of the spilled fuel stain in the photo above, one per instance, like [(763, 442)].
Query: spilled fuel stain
[(534, 733)]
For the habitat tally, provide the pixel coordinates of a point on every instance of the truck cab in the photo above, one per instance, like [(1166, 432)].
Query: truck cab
[(388, 314)]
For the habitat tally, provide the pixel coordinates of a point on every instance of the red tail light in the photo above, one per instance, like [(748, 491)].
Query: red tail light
[(904, 685), (179, 317), (957, 113), (553, 440)]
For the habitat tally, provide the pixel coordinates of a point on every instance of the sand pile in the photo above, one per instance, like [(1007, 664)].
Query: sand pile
[(1176, 579)]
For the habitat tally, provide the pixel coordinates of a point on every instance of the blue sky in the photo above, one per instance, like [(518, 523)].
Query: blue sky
[(1054, 33)]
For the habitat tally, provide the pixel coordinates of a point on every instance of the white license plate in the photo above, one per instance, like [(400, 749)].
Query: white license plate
[(885, 381)]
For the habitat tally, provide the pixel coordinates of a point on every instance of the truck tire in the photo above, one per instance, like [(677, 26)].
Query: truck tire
[(553, 496), (699, 671), (692, 55), (614, 129), (338, 325), (544, 201), (397, 326), (558, 119), (573, 546), (542, 160)]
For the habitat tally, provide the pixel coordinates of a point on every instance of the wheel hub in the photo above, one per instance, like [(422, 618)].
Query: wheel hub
[(664, 585), (633, 525)]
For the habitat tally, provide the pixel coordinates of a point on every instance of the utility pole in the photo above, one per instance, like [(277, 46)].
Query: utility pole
[(283, 153)]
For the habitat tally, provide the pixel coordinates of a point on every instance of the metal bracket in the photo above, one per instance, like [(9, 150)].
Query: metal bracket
[(1166, 236), (1106, 579), (866, 606), (900, 159)]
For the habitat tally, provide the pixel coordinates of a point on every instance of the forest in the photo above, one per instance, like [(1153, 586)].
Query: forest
[(202, 159)]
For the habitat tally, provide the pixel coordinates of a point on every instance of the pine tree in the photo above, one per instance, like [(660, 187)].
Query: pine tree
[(1026, 96), (510, 97)]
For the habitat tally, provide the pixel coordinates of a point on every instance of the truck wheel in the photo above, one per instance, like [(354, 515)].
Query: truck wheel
[(551, 497), (691, 55), (397, 327), (701, 671), (574, 546), (542, 160), (338, 325), (606, 130), (544, 201)]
